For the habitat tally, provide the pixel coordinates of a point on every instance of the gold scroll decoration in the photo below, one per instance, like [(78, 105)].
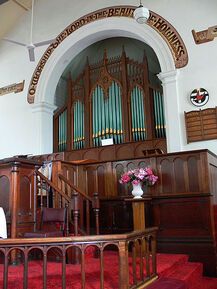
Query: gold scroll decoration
[(16, 87), (162, 26), (205, 35)]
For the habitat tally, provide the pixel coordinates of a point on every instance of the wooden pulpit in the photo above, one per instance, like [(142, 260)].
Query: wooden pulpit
[(17, 194)]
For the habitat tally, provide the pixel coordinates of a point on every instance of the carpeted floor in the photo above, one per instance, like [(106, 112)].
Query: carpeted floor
[(175, 272)]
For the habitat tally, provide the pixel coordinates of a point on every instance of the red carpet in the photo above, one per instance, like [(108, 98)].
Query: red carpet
[(175, 272)]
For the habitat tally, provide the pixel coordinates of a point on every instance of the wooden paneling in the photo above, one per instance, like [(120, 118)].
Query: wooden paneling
[(109, 153), (190, 217), (25, 200), (201, 125), (185, 226), (5, 195), (182, 200), (116, 216), (17, 194)]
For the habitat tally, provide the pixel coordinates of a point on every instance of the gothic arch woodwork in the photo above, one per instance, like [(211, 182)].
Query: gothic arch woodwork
[(110, 99)]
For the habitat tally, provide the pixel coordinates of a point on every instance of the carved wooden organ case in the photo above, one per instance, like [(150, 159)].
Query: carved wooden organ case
[(111, 99)]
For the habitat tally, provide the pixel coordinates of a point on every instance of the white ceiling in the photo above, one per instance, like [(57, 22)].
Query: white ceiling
[(10, 12)]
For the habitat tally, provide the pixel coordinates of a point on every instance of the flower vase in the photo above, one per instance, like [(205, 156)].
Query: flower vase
[(137, 191)]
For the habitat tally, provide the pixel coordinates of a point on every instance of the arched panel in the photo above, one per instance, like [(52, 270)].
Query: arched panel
[(107, 154), (166, 170), (131, 166), (144, 164), (101, 180), (124, 151), (122, 190), (193, 174), (25, 204), (91, 180), (5, 193), (179, 175)]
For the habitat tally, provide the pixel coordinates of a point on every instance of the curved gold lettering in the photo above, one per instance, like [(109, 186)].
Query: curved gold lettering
[(163, 27)]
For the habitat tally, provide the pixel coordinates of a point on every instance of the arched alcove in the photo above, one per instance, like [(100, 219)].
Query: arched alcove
[(89, 34)]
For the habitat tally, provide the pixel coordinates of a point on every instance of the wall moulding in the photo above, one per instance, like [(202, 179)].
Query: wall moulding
[(158, 23)]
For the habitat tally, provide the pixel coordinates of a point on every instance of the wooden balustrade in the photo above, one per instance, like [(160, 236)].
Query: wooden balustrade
[(43, 186), (81, 205), (142, 268)]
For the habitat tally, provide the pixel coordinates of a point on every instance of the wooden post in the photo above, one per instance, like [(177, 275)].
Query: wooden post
[(14, 196), (123, 266), (138, 215), (138, 206), (15, 191)]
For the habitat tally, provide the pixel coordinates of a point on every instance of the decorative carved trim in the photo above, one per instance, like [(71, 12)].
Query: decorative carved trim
[(163, 27), (205, 35), (15, 87), (105, 81)]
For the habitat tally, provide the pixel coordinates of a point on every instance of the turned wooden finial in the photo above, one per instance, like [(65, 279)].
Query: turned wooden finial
[(123, 51), (105, 57)]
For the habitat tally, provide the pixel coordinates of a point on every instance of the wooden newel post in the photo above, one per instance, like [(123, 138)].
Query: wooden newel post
[(75, 209), (67, 219), (123, 266), (15, 184), (96, 206), (75, 254)]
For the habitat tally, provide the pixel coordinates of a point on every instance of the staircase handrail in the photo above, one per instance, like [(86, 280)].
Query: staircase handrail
[(52, 185), (68, 182)]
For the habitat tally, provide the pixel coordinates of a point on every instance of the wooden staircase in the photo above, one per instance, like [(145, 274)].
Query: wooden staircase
[(81, 208)]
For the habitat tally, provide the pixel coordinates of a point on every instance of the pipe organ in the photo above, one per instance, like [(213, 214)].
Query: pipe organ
[(110, 99)]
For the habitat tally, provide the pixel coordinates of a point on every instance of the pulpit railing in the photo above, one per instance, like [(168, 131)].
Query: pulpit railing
[(133, 257)]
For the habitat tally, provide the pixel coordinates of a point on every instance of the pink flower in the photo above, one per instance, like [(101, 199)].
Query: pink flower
[(135, 182), (149, 171), (143, 175), (125, 179), (152, 179)]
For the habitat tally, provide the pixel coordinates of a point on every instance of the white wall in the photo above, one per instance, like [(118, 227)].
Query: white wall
[(21, 127)]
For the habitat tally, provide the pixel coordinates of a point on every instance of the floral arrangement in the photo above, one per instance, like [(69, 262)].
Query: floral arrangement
[(136, 176)]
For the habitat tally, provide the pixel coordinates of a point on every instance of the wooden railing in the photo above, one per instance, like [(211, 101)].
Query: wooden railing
[(68, 195), (81, 205), (43, 187), (135, 252)]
